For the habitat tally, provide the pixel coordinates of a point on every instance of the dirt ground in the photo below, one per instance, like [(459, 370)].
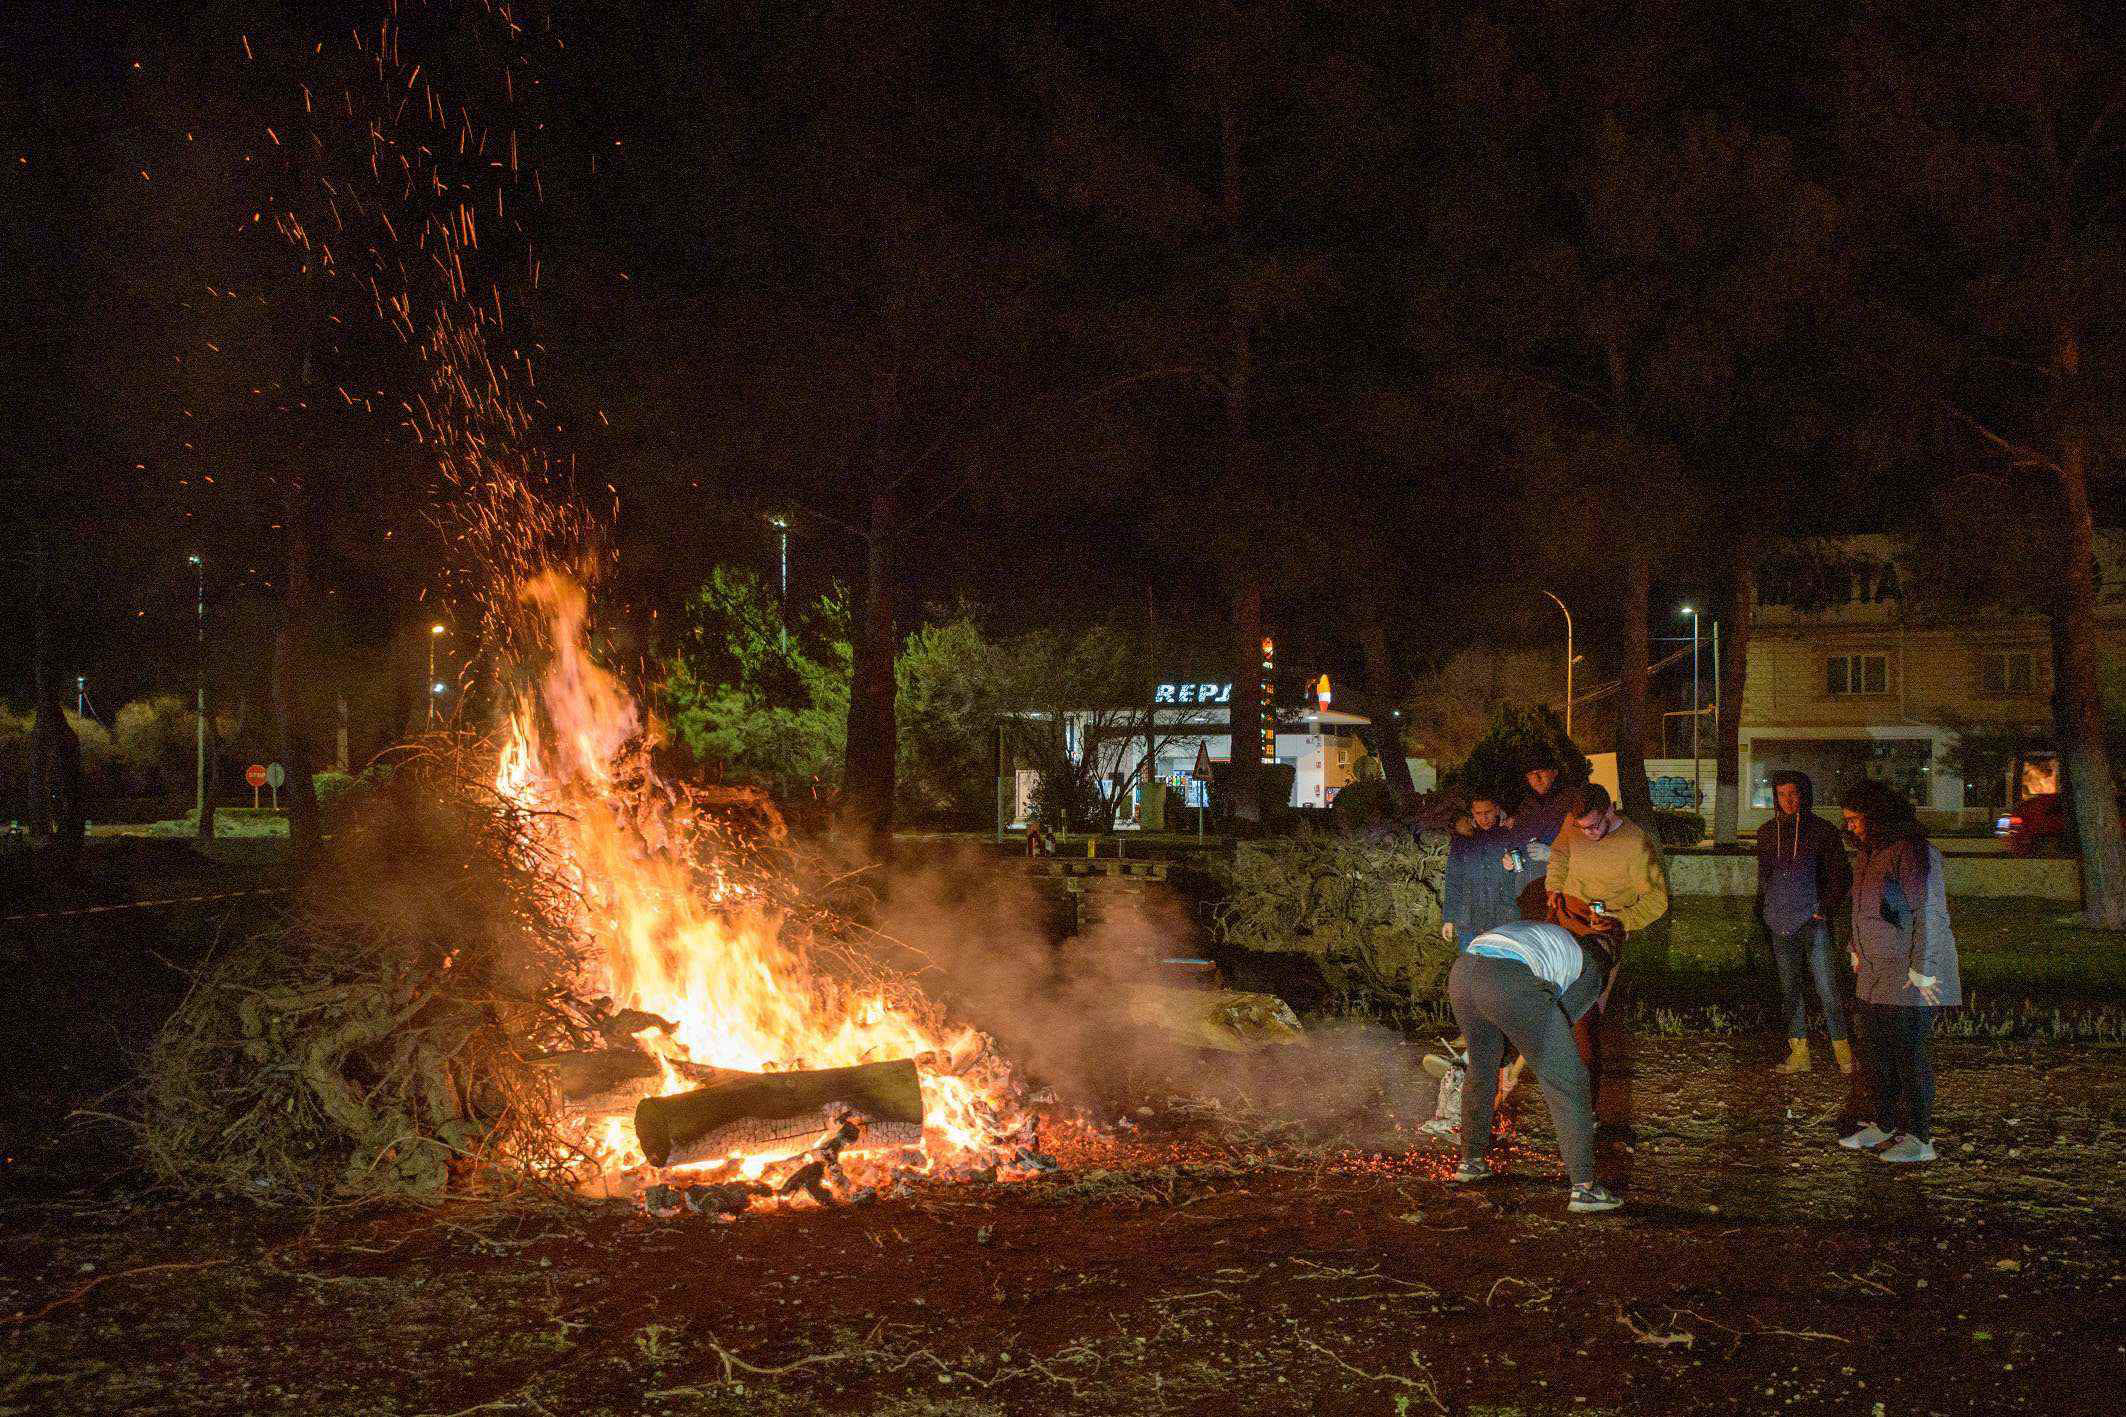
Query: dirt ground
[(1203, 1262)]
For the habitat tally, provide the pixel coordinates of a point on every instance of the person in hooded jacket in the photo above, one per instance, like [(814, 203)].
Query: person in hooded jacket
[(1536, 822), (1483, 874), (1905, 967), (1802, 884)]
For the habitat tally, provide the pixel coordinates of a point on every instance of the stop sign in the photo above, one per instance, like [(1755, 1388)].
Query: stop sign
[(255, 774)]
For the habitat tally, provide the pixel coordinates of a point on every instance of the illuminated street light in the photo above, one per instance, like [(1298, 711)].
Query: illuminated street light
[(1570, 660), (1697, 784), (435, 632)]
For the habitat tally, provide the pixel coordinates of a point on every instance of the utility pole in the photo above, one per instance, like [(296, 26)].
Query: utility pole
[(1568, 662), (206, 822), (1697, 786)]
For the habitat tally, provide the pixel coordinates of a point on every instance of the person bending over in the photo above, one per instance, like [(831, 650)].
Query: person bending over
[(1526, 982)]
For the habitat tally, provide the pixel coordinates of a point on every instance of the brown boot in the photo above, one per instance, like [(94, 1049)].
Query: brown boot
[(1797, 1057), (1843, 1052)]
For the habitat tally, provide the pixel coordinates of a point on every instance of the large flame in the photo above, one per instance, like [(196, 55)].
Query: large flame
[(673, 940)]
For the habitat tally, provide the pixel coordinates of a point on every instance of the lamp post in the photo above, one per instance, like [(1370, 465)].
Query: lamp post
[(435, 632), (1568, 662), (206, 823), (1697, 786), (781, 524)]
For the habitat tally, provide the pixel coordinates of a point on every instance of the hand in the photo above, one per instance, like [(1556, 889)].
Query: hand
[(1551, 899), (1446, 931), (1928, 986), (1854, 956)]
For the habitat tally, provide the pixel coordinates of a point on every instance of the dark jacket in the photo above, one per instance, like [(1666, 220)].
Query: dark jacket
[(1480, 890), (1901, 924), (1536, 824), (1801, 865)]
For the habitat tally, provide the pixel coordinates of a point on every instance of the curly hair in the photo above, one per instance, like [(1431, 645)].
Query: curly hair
[(1888, 812)]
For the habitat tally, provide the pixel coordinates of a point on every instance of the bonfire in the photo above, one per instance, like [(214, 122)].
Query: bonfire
[(746, 1045)]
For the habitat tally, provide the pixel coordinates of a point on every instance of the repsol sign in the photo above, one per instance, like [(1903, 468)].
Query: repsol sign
[(1193, 694)]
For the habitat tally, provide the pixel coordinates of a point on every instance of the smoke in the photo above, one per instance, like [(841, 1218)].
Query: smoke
[(1093, 1014)]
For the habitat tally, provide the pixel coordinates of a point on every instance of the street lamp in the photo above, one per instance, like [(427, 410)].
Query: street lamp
[(206, 823), (435, 632), (782, 531), (1697, 785), (1569, 660)]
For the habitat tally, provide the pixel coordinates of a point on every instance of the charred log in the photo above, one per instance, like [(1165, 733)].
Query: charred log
[(613, 1079), (763, 1110)]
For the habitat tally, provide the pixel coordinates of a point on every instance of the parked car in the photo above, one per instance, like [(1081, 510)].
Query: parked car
[(2041, 823), (2036, 824)]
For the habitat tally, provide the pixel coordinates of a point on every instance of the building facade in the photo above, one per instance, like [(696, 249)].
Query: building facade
[(1863, 686)]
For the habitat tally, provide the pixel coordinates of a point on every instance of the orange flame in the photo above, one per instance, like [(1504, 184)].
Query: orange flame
[(702, 954)]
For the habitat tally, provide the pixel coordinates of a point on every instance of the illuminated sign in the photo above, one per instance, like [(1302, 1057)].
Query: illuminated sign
[(1193, 694)]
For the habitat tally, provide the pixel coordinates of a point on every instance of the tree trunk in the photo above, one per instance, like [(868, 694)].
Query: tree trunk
[(55, 809), (868, 760), (2080, 711), (1734, 675), (1244, 769), (1635, 798), (1383, 693), (292, 679)]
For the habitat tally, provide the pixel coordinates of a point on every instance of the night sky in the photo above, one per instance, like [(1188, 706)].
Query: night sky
[(775, 258)]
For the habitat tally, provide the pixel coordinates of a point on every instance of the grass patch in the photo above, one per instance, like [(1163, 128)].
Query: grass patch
[(2031, 969), (2037, 949)]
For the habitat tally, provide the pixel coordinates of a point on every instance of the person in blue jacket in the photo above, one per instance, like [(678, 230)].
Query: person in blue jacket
[(1484, 873), (1802, 881)]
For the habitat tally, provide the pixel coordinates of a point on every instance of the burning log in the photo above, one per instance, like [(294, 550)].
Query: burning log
[(614, 1079), (756, 1111)]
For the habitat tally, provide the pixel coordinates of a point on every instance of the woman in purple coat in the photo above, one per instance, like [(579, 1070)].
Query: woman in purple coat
[(1904, 966)]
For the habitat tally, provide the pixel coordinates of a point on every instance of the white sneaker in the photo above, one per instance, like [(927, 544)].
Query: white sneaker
[(1867, 1138), (1907, 1148)]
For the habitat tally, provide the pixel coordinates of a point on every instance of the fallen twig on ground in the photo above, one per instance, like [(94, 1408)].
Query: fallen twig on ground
[(1422, 1385), (1671, 1339), (63, 1300)]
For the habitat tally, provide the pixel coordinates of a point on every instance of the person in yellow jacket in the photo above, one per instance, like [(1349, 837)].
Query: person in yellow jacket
[(1609, 863)]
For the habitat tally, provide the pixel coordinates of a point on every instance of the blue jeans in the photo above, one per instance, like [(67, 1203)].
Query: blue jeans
[(1809, 949)]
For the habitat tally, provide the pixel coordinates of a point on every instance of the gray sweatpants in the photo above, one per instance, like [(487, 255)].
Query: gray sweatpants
[(1500, 999)]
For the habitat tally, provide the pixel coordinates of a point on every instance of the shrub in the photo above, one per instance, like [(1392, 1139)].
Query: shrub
[(1679, 828), (1494, 768), (1366, 912)]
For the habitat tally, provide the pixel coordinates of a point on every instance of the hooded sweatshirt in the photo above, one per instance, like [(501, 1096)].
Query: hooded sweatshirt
[(1801, 865)]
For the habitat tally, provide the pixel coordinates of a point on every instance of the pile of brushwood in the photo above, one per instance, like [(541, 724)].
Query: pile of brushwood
[(1366, 911), (376, 1041)]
